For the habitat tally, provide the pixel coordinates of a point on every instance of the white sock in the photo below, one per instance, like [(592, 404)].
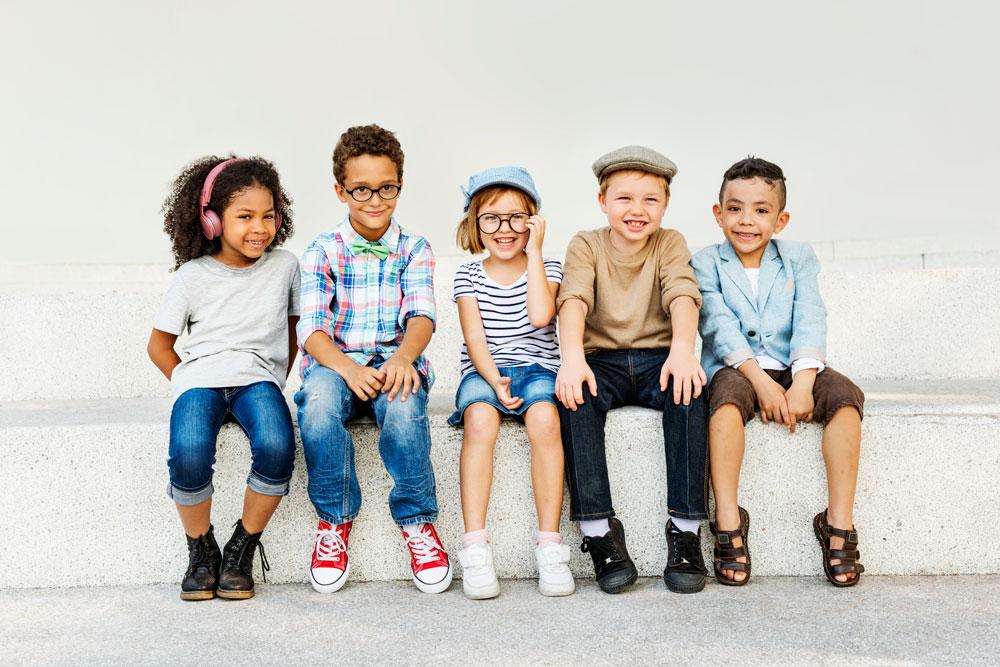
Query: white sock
[(595, 528), (687, 525), (414, 528)]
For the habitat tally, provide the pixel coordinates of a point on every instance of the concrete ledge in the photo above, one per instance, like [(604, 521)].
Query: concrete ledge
[(84, 482), (901, 324)]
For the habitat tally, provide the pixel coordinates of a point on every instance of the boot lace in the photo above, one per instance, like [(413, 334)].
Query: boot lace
[(241, 558)]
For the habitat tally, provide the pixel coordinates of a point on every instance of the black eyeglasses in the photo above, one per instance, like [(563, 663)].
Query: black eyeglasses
[(364, 193), (490, 223)]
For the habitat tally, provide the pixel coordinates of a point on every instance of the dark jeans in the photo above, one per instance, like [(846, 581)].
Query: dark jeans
[(632, 377)]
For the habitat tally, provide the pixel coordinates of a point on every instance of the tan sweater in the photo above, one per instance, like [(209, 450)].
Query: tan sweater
[(628, 297)]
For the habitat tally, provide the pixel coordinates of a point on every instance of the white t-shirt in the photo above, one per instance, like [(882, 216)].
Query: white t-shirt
[(764, 360), (510, 337), (236, 320)]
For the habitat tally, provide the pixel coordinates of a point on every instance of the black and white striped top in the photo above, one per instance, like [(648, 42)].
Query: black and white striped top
[(511, 339)]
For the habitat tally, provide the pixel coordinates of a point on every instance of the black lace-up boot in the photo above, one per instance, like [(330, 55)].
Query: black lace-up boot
[(685, 571), (202, 574), (613, 568), (236, 580)]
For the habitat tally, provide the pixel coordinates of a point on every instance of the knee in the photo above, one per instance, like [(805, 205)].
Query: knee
[(481, 421), (324, 396), (191, 461), (541, 421)]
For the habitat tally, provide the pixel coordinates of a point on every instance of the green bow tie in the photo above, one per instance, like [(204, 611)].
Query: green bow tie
[(376, 248)]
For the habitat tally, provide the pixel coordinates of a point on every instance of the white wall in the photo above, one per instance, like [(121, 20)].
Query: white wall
[(882, 114)]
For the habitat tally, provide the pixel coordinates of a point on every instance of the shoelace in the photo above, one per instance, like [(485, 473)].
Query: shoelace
[(200, 556), (424, 549), (329, 544), (686, 549), (607, 546), (239, 559)]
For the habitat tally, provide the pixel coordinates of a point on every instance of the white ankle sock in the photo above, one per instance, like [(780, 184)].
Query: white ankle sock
[(687, 525), (413, 529), (595, 528)]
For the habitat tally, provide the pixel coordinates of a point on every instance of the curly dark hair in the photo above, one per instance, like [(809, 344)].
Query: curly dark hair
[(181, 212), (755, 167), (366, 140)]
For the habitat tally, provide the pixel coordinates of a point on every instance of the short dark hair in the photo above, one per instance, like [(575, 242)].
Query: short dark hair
[(182, 209), (755, 167), (366, 140)]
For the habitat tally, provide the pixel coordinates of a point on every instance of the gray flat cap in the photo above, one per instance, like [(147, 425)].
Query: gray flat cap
[(639, 158)]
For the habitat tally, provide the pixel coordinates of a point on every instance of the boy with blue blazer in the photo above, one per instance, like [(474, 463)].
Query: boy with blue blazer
[(763, 327)]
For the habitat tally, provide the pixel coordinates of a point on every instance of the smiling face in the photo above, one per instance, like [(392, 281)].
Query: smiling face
[(634, 202), (369, 218), (505, 244), (248, 226), (749, 215)]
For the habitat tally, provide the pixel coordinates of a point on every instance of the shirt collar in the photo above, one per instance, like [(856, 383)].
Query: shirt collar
[(390, 238)]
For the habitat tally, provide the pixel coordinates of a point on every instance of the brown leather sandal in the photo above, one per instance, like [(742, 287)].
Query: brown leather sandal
[(725, 554), (848, 556)]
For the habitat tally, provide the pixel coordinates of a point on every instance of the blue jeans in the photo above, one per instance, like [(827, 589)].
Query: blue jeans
[(533, 383), (198, 414), (632, 377), (326, 404)]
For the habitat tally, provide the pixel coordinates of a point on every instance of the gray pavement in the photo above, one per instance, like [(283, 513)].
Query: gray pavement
[(884, 621)]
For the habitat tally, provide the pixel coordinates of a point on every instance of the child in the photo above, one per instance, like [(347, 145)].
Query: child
[(628, 317), (237, 297), (763, 327), (368, 314), (506, 306)]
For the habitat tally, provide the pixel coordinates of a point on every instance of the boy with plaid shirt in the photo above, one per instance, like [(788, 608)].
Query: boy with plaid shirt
[(367, 314)]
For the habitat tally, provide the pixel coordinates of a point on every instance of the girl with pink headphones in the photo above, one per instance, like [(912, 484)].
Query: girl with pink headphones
[(236, 298)]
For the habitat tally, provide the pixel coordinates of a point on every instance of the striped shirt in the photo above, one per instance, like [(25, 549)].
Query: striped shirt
[(510, 337), (363, 302)]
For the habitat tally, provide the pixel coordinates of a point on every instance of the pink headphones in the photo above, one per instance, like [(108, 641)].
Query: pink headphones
[(211, 224)]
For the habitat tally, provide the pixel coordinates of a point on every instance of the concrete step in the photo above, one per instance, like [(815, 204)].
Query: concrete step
[(87, 339), (771, 621), (84, 485)]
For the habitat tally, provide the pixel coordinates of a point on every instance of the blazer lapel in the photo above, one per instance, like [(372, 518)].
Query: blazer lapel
[(770, 264), (734, 269)]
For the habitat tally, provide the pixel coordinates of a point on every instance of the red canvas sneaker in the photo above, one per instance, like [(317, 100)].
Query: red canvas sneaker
[(428, 559), (330, 566)]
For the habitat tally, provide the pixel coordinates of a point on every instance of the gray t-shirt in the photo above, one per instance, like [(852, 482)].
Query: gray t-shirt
[(236, 320)]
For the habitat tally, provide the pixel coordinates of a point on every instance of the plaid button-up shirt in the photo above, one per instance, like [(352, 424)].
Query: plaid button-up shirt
[(363, 302)]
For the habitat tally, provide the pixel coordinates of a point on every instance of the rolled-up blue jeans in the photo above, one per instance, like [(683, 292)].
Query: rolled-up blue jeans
[(198, 414), (325, 405)]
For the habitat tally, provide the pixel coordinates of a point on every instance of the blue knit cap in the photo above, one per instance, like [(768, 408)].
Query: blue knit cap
[(516, 177)]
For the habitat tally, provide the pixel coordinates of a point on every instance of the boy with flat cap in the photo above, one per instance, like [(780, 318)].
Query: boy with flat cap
[(628, 317)]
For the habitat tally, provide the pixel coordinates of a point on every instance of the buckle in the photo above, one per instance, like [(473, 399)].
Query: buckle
[(724, 539), (852, 537)]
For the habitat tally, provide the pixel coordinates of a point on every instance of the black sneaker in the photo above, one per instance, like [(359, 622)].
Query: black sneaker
[(236, 580), (685, 571), (202, 574), (613, 568)]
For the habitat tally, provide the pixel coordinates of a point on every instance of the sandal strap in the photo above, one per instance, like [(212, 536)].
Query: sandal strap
[(733, 566), (730, 553), (847, 568), (849, 536)]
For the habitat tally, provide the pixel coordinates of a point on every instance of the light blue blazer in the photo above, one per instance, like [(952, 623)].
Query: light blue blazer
[(788, 319)]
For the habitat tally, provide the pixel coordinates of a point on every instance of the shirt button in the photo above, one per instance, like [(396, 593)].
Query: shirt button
[(752, 333)]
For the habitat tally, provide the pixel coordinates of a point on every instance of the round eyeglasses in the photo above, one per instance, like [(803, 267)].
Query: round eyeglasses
[(490, 223), (364, 193)]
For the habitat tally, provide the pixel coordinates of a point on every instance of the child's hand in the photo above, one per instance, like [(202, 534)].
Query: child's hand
[(800, 403), (536, 233), (689, 378), (800, 396), (364, 381), (772, 400), (400, 377), (569, 383), (502, 389)]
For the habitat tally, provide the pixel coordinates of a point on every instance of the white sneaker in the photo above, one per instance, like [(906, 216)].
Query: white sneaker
[(479, 580), (554, 577)]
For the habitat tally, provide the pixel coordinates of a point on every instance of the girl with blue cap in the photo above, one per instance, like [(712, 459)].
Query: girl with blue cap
[(509, 360)]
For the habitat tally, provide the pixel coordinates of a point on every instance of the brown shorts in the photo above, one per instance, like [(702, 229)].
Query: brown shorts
[(831, 391)]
